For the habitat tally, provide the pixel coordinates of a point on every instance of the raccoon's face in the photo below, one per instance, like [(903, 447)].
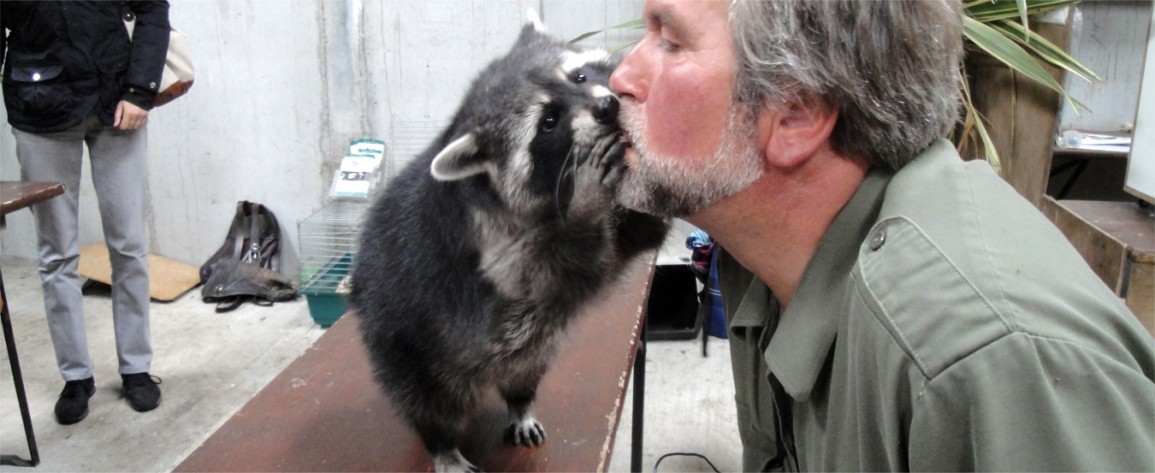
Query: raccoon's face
[(529, 120), (574, 111)]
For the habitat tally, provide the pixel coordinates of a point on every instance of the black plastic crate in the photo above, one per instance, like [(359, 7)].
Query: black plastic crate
[(672, 308)]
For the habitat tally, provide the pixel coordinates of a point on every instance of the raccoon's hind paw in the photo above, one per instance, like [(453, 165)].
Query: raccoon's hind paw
[(526, 432), (453, 462)]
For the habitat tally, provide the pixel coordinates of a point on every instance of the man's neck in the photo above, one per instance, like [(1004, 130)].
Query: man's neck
[(773, 227)]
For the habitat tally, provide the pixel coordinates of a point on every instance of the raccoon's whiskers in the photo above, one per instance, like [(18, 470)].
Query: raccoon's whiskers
[(570, 161)]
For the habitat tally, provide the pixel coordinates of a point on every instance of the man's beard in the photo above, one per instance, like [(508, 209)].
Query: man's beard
[(681, 187)]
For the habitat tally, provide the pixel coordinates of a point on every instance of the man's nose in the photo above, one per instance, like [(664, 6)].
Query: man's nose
[(627, 79)]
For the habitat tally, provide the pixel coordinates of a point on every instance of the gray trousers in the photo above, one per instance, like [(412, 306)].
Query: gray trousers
[(119, 175)]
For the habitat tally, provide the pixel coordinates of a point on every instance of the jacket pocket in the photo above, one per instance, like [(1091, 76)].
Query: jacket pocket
[(35, 74), (38, 91)]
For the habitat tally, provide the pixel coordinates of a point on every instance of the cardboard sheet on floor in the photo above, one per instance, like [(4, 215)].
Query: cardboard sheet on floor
[(168, 279)]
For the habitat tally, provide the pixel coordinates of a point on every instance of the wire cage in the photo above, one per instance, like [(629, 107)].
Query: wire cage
[(410, 138), (328, 244)]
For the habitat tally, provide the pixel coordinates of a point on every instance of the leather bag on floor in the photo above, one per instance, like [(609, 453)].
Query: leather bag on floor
[(233, 282), (254, 237)]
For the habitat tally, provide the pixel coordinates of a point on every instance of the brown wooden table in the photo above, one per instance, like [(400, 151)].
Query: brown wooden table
[(324, 412), (1117, 239), (16, 195)]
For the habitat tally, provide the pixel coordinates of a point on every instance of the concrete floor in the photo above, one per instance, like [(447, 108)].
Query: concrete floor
[(212, 364), (689, 408)]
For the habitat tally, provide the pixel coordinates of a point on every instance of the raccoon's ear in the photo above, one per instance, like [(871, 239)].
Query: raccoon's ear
[(532, 31), (534, 20), (459, 160)]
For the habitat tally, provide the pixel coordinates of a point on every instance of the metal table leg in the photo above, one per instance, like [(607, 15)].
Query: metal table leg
[(18, 378), (639, 401)]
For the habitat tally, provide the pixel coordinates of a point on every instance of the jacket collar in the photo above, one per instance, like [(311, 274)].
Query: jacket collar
[(808, 327)]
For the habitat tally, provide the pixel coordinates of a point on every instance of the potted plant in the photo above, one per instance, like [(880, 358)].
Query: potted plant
[(1001, 30)]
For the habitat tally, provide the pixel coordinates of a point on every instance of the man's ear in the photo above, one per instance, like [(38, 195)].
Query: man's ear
[(794, 133)]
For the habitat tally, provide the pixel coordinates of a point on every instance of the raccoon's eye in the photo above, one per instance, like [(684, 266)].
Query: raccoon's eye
[(550, 119), (580, 78)]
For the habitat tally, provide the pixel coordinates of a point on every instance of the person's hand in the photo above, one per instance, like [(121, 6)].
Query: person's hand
[(129, 116)]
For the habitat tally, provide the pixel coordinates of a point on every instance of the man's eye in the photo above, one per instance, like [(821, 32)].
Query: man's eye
[(668, 45)]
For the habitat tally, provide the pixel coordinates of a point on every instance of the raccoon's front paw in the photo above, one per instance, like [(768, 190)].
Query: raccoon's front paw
[(526, 432), (601, 170), (596, 180), (609, 158)]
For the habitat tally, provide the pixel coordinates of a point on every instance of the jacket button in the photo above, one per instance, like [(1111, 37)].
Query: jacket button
[(877, 240), (152, 85)]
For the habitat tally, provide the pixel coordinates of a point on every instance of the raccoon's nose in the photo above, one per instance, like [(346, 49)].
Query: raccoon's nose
[(606, 110)]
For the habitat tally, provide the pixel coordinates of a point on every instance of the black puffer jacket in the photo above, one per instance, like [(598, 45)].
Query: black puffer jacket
[(67, 59)]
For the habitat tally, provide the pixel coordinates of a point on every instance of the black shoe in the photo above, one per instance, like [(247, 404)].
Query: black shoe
[(141, 391), (72, 407)]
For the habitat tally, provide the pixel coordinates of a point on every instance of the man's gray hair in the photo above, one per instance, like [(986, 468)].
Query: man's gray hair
[(890, 68)]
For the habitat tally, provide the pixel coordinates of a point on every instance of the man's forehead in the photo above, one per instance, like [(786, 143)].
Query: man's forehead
[(660, 11), (694, 23), (680, 14)]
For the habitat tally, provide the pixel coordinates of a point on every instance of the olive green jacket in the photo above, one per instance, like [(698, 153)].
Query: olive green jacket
[(942, 324)]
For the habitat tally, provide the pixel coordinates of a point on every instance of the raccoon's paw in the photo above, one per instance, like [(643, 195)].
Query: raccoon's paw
[(600, 172), (596, 180), (453, 462), (526, 432), (608, 157)]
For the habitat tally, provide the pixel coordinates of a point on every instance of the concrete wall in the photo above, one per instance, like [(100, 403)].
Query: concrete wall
[(1109, 37), (282, 86)]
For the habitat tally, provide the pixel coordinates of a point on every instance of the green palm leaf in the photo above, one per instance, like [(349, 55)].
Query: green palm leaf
[(1010, 53), (990, 10), (1045, 50), (973, 125), (632, 24)]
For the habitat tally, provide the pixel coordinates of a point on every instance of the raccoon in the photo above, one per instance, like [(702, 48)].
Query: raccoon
[(479, 253)]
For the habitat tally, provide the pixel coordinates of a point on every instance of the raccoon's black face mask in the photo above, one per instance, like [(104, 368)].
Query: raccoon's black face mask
[(529, 121), (568, 127)]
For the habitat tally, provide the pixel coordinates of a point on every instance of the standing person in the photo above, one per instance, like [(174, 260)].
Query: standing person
[(73, 77), (891, 306)]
